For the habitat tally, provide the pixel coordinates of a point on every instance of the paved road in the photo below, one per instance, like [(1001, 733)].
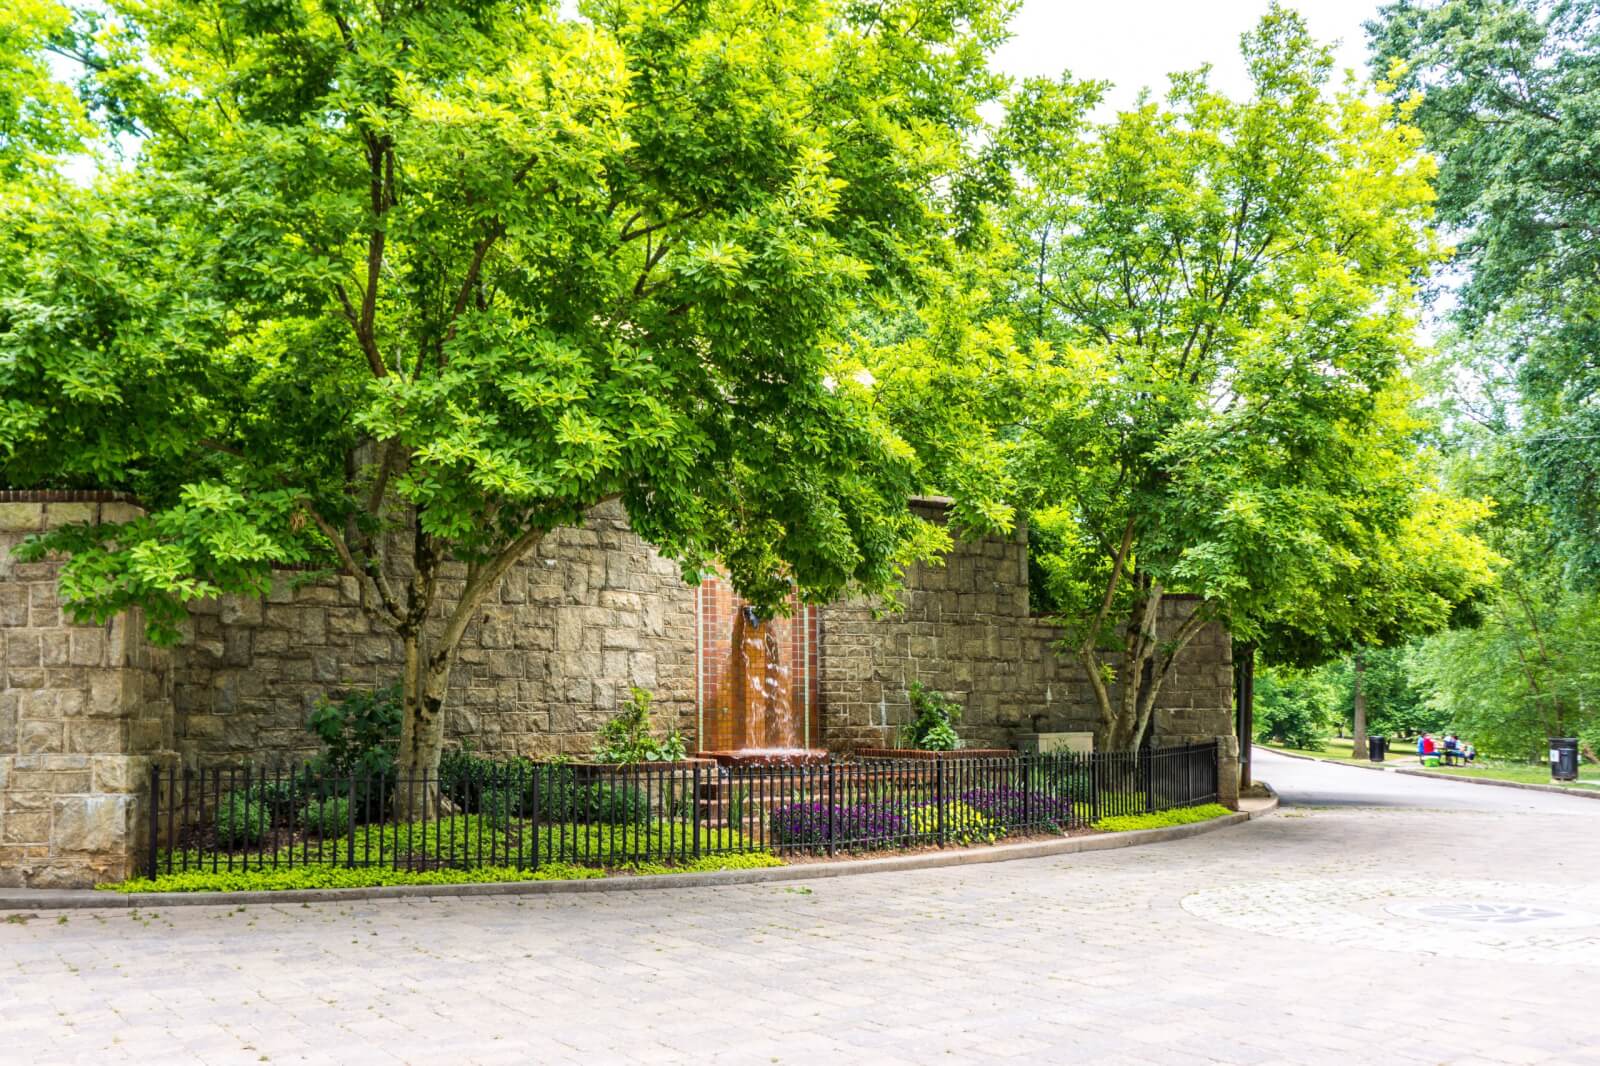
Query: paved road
[(1379, 919)]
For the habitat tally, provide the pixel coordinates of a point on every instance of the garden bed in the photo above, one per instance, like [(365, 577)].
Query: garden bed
[(919, 755)]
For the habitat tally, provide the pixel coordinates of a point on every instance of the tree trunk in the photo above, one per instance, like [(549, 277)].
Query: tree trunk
[(426, 681), (1359, 742), (1244, 666)]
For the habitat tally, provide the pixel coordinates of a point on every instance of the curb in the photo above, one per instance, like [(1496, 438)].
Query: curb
[(1555, 790), (1332, 762), (94, 899)]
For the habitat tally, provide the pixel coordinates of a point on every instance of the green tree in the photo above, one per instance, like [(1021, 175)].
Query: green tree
[(40, 116), (1215, 302), (1296, 707), (400, 289), (1511, 92)]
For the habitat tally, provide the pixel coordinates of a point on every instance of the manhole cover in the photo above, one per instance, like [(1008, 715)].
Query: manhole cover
[(1485, 913), (1502, 920)]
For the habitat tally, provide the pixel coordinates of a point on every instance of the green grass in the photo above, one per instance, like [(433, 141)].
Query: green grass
[(1528, 775), (1338, 750), (1125, 823)]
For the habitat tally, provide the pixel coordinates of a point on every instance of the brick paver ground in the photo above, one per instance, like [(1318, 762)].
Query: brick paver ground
[(1390, 920)]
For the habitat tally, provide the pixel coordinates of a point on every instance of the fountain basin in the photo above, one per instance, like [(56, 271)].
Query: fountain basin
[(935, 756), (767, 757)]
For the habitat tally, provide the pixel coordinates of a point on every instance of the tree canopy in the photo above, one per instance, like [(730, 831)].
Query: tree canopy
[(400, 288), (1510, 103), (1213, 301)]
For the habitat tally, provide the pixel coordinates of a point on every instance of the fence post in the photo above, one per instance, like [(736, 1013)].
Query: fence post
[(1147, 764), (833, 847), (1027, 792), (938, 794), (155, 818), (1224, 755), (350, 823), (1093, 759), (697, 799)]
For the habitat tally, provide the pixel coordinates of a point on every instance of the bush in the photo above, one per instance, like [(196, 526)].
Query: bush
[(626, 739), (933, 726), (467, 779), (326, 817), (609, 804), (499, 805), (361, 732), (240, 820)]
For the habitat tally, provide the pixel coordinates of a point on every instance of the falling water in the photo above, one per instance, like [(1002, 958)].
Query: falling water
[(758, 694)]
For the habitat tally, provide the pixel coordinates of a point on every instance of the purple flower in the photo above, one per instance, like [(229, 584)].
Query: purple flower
[(859, 825), (1013, 806)]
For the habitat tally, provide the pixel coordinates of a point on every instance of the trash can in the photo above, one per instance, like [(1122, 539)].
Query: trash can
[(1377, 747), (1563, 758)]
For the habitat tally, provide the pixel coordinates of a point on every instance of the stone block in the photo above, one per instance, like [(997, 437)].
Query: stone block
[(21, 517), (240, 610), (24, 827), (13, 603), (22, 650), (94, 736), (35, 738), (88, 647), (93, 823), (61, 514)]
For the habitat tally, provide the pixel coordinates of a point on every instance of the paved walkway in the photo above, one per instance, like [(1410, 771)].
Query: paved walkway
[(1378, 918)]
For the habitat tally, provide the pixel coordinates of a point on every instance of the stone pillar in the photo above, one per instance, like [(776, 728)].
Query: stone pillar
[(83, 710), (1228, 771)]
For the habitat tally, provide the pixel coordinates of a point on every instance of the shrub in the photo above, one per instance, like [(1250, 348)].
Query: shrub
[(327, 817), (557, 787), (278, 796), (610, 804), (465, 777), (499, 805), (933, 726), (626, 739), (360, 730), (240, 820)]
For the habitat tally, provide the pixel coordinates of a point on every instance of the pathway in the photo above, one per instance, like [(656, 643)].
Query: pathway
[(1377, 918)]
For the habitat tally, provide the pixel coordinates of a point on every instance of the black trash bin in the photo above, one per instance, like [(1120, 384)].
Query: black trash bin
[(1377, 748), (1564, 758)]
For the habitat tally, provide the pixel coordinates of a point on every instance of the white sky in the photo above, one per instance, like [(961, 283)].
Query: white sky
[(1137, 43)]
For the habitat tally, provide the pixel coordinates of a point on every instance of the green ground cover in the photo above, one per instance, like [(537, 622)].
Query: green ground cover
[(1161, 819), (329, 876), (474, 841)]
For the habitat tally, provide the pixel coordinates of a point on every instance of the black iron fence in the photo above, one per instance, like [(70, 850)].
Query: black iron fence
[(480, 813)]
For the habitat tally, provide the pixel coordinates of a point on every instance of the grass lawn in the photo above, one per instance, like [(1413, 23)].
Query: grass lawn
[(1338, 750)]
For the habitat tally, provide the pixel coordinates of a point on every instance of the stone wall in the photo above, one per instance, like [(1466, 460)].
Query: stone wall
[(547, 660), (83, 710), (965, 629)]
